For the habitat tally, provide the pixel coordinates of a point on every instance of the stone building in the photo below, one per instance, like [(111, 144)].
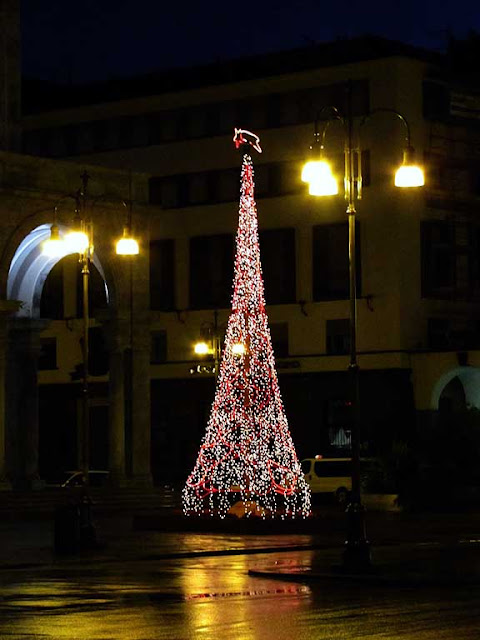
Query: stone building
[(418, 268)]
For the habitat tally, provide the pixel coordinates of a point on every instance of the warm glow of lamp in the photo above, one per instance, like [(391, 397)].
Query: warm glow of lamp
[(409, 174), (201, 348), (238, 349), (127, 245), (55, 246), (320, 178), (76, 242)]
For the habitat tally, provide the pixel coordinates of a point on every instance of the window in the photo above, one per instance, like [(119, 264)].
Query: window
[(279, 335), (227, 185), (48, 354), (338, 337), (453, 333), (330, 261), (211, 271), (158, 347), (98, 359), (100, 135), (450, 259), (333, 469), (277, 250), (340, 421), (162, 275)]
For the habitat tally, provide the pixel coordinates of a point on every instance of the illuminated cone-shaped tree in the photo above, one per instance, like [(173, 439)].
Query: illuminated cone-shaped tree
[(247, 448)]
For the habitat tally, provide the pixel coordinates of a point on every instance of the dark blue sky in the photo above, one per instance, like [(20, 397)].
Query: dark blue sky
[(95, 39)]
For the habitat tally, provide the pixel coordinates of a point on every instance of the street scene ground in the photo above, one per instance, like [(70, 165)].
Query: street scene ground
[(212, 583)]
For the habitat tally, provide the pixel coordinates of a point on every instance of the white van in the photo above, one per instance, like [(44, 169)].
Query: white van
[(329, 475)]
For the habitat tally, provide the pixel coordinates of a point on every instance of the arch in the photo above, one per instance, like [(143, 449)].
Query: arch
[(469, 377), (29, 269)]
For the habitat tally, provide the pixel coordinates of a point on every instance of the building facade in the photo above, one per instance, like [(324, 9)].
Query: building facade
[(418, 266)]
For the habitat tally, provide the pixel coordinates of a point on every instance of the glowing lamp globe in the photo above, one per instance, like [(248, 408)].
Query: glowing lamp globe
[(54, 247), (409, 174), (76, 242), (127, 246), (238, 349), (201, 348), (319, 176)]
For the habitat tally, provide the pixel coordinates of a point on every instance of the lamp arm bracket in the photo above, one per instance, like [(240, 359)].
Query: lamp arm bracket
[(392, 111), (336, 115)]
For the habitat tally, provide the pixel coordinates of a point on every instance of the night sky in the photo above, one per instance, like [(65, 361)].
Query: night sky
[(106, 38)]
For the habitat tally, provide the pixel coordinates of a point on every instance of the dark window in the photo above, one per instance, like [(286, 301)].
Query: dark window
[(227, 185), (306, 465), (97, 352), (279, 335), (340, 421), (336, 469), (211, 271), (338, 336), (330, 262), (438, 259), (48, 354), (158, 347), (438, 333), (212, 121), (162, 274), (277, 248), (100, 132), (70, 136), (453, 334), (155, 190), (154, 128), (436, 101), (125, 132)]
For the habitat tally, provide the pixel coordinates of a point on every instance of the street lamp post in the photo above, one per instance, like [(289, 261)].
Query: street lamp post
[(202, 348), (80, 240), (321, 182)]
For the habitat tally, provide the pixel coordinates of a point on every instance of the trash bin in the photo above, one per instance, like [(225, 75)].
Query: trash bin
[(67, 536)]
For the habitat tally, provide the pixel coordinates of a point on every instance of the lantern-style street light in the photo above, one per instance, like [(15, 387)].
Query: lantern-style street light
[(318, 175)]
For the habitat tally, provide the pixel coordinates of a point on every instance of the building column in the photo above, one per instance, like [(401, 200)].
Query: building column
[(22, 432), (117, 413), (304, 255), (140, 404)]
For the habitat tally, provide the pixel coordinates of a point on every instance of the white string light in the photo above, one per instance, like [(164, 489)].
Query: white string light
[(247, 449)]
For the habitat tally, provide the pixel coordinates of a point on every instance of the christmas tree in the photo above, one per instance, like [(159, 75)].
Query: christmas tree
[(247, 450)]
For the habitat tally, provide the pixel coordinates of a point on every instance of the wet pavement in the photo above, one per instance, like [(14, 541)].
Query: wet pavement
[(175, 585)]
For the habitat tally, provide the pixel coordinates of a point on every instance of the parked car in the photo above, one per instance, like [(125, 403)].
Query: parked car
[(329, 476), (96, 478)]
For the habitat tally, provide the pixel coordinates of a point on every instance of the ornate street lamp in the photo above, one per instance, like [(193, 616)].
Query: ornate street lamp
[(80, 240), (318, 175)]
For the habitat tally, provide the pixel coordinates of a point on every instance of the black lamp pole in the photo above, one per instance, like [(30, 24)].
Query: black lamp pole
[(357, 548)]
